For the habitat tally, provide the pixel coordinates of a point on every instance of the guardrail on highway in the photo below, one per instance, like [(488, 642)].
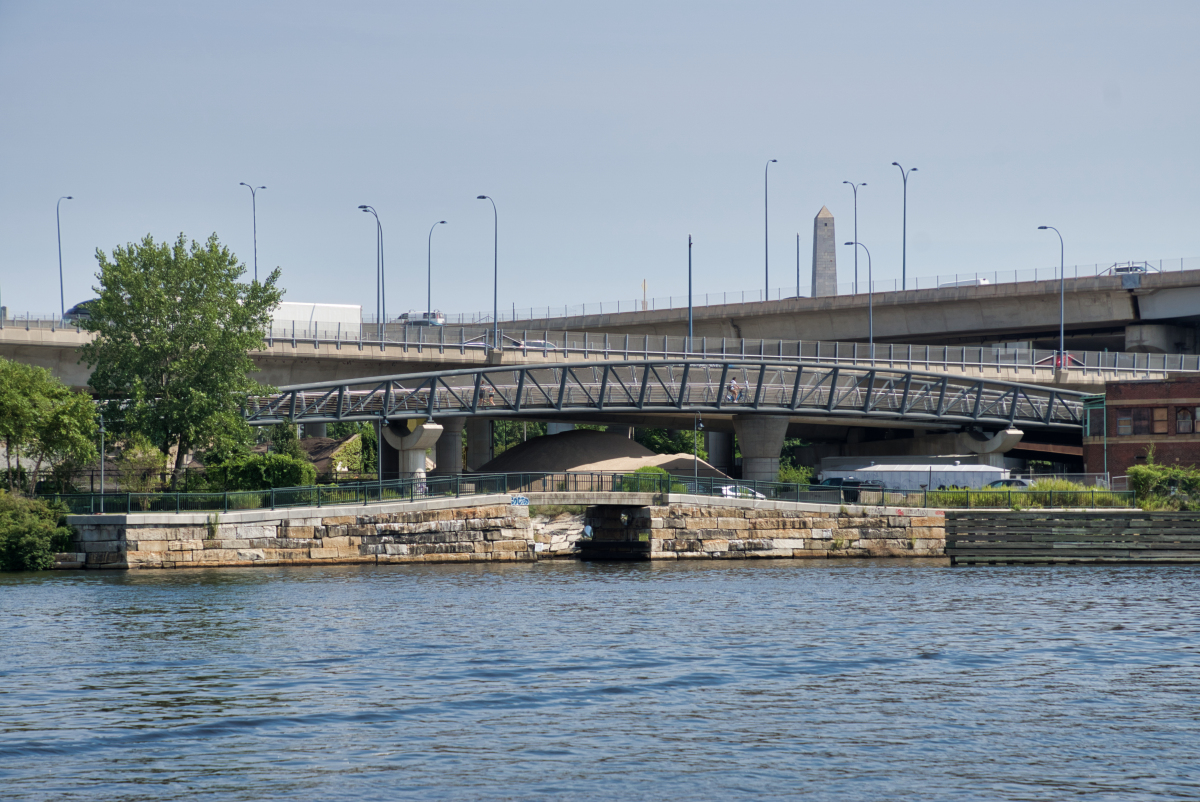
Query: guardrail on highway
[(519, 483), (966, 278), (638, 346)]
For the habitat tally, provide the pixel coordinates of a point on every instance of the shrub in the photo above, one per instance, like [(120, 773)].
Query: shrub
[(795, 474), (31, 532), (649, 479), (261, 472)]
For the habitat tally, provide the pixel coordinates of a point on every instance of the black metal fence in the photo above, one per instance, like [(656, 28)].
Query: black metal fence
[(519, 483)]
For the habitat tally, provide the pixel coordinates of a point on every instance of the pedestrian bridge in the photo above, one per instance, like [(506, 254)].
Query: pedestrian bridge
[(711, 387)]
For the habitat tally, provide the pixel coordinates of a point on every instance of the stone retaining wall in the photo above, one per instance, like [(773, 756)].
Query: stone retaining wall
[(752, 529), (378, 534)]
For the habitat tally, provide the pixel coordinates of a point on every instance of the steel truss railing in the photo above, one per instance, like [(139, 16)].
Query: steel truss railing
[(682, 386)]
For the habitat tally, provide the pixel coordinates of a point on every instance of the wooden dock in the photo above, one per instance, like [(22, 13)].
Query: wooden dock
[(983, 537)]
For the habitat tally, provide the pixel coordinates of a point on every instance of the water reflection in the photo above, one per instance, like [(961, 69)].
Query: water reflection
[(836, 679)]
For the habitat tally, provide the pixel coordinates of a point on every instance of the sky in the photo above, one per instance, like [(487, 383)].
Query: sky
[(606, 134)]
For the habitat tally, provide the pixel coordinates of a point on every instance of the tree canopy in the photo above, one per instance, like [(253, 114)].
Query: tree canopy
[(174, 331), (43, 420)]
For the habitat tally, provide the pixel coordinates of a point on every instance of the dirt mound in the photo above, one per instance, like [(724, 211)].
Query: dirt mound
[(589, 450), (565, 452)]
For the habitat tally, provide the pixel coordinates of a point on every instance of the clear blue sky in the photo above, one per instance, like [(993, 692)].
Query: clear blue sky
[(606, 132)]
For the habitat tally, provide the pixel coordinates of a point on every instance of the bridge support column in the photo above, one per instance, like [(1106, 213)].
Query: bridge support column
[(479, 443), (411, 439), (559, 428), (720, 450), (761, 440), (449, 447), (315, 430)]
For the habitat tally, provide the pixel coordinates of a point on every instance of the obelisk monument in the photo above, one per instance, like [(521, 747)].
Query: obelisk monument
[(824, 265)]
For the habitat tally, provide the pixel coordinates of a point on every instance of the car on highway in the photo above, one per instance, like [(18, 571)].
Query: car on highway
[(1058, 361), (79, 312), (536, 345), (415, 318), (739, 491)]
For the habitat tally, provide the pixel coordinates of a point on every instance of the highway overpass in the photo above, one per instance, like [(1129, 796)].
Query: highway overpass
[(1141, 313)]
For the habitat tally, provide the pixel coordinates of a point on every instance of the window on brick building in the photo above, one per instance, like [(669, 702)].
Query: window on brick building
[(1183, 421), (1160, 420), (1124, 421)]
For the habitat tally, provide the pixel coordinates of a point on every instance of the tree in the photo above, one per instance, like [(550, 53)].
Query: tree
[(174, 331), (43, 419)]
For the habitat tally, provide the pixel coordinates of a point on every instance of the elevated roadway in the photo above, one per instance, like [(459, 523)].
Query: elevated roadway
[(1147, 313)]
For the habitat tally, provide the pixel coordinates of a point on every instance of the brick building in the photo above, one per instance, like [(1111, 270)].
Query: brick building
[(1140, 414)]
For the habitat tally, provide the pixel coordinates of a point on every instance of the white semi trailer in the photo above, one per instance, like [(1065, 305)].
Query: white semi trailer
[(326, 321)]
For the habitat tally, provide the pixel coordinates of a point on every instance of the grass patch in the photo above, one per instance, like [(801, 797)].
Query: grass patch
[(555, 510)]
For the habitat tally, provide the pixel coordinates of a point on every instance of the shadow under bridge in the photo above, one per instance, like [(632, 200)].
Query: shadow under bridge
[(725, 387)]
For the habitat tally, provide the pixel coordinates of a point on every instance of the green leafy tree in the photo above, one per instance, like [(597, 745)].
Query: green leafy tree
[(44, 420), (174, 330), (31, 532), (285, 441), (664, 441)]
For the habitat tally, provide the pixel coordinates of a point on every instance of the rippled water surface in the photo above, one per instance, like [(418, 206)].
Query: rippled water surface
[(855, 680)]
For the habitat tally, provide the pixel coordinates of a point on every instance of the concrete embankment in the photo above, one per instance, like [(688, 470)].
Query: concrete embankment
[(697, 527), (493, 529)]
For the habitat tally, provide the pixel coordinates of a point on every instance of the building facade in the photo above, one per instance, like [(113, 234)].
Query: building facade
[(1138, 416)]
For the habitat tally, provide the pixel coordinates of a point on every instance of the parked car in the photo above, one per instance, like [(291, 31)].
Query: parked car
[(738, 491), (1008, 484), (851, 487)]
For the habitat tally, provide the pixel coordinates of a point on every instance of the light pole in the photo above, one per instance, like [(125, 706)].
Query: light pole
[(855, 187), (904, 235), (870, 301), (495, 271), (429, 269), (766, 240), (689, 342), (1062, 297), (254, 215), (62, 296), (797, 264), (380, 289)]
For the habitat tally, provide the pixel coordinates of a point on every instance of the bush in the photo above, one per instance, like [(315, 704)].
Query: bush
[(649, 479), (31, 533), (1165, 487), (261, 472), (795, 474)]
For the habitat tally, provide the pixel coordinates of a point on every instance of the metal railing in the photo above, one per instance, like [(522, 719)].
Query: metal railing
[(965, 278), (441, 340), (457, 486)]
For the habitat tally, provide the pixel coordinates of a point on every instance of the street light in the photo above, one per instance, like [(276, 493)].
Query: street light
[(689, 342), (870, 302), (254, 214), (855, 187), (766, 241), (904, 240), (1062, 296), (62, 296), (380, 288), (495, 271), (797, 264), (429, 269)]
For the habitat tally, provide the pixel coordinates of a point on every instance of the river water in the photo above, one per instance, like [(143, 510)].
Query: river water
[(846, 680)]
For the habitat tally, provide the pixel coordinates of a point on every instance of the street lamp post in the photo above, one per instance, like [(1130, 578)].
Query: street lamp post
[(62, 295), (254, 216), (766, 239), (855, 187), (904, 235), (429, 269), (797, 264), (495, 271), (380, 287), (1062, 297), (870, 301), (689, 342)]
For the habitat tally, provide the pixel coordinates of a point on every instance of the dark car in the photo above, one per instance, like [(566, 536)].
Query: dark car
[(79, 312), (852, 486)]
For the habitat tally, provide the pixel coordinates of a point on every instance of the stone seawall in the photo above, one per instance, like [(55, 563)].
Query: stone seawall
[(490, 530), (755, 529)]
